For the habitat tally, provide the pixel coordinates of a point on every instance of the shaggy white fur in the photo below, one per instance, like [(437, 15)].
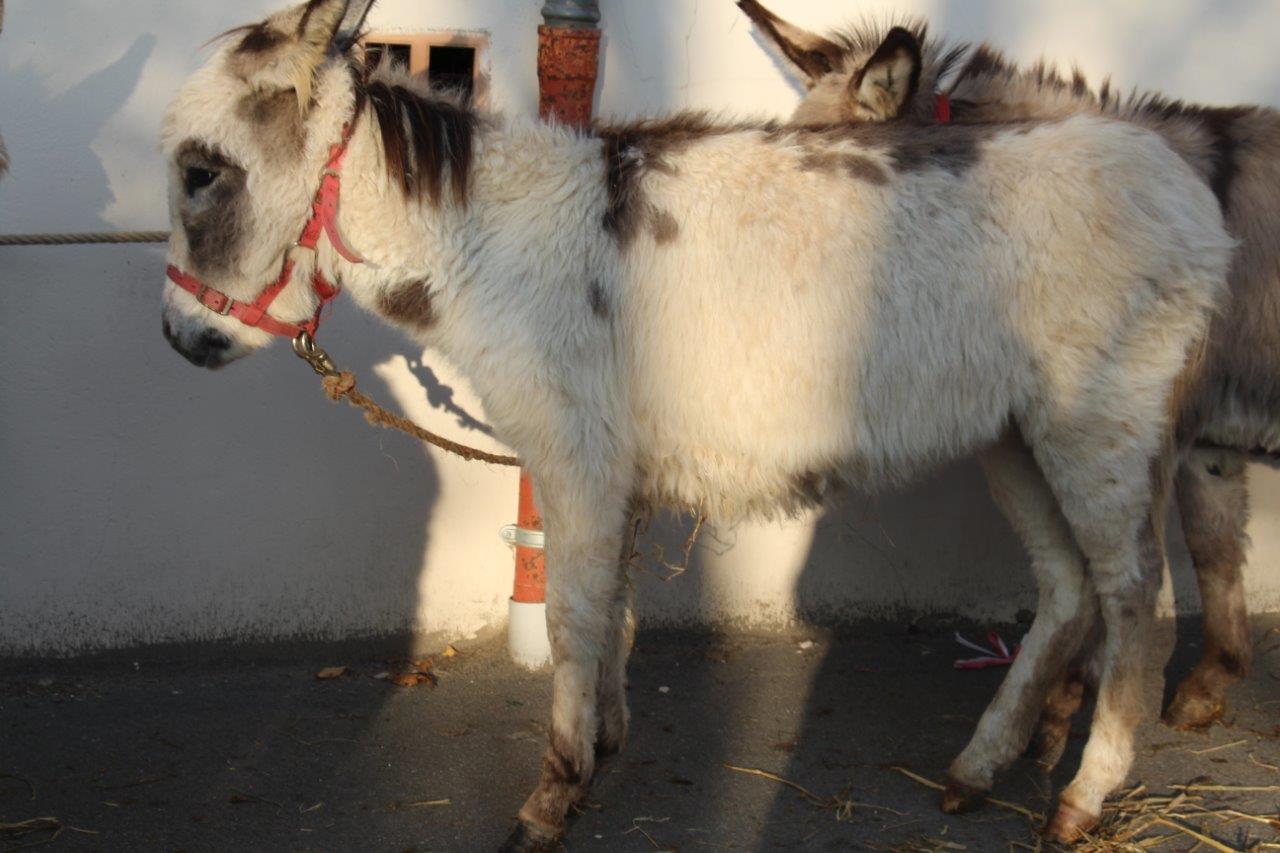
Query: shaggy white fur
[(779, 323)]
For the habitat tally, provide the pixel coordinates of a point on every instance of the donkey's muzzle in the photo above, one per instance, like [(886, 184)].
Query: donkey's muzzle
[(207, 348)]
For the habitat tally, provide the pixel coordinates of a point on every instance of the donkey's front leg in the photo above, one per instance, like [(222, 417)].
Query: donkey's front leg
[(585, 585)]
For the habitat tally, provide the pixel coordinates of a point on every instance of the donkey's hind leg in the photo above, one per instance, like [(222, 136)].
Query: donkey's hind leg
[(1213, 499), (1065, 615), (1112, 495)]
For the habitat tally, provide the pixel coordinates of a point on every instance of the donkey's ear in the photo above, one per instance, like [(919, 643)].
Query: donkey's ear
[(284, 51), (886, 84), (349, 27), (810, 54)]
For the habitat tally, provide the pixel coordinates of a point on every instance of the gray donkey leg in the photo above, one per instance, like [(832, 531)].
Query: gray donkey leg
[(1213, 499)]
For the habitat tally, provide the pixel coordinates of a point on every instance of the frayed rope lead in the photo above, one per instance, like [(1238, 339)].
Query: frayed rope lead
[(343, 385)]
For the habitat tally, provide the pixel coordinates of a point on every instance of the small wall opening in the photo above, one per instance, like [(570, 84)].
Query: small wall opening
[(450, 60), (453, 67)]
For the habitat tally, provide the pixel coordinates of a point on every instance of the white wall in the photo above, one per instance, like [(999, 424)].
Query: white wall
[(142, 500)]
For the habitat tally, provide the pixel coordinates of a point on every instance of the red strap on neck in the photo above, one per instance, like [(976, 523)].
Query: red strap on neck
[(942, 108), (323, 220)]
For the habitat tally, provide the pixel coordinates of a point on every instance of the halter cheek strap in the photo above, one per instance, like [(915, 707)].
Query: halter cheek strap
[(255, 313), (323, 220)]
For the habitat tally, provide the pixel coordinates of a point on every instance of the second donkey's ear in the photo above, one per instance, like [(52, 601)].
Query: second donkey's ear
[(883, 87), (812, 55)]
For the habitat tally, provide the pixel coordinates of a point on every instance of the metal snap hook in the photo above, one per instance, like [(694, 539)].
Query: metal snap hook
[(306, 348)]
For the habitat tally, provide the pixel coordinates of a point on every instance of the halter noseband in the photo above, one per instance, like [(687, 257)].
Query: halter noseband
[(323, 220)]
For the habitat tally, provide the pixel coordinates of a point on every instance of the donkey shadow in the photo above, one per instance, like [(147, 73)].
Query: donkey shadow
[(53, 165)]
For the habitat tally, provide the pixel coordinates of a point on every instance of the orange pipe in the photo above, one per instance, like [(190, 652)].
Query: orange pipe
[(568, 60), (531, 569)]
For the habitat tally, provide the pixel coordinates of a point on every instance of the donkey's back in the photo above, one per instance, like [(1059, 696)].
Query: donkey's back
[(805, 305)]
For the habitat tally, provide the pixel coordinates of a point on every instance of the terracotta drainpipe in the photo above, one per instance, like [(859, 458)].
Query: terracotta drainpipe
[(568, 60)]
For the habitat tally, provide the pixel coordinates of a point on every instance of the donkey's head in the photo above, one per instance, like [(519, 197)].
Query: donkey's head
[(869, 74), (246, 139)]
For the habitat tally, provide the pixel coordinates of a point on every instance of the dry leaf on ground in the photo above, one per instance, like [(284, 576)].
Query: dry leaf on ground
[(331, 672)]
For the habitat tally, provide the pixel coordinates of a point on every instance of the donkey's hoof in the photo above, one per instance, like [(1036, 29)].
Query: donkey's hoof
[(527, 839), (1191, 711), (1069, 824), (959, 797)]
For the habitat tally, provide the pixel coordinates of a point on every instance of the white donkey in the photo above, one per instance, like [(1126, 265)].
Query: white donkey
[(880, 72), (885, 301)]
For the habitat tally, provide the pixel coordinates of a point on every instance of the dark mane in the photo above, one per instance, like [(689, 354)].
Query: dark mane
[(987, 61), (426, 137)]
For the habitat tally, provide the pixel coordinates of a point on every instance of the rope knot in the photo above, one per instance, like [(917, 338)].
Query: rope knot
[(339, 385)]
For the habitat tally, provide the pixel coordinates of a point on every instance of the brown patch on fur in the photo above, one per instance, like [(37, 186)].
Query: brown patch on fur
[(596, 299), (261, 38), (277, 122), (635, 149), (663, 226), (943, 147), (854, 165), (425, 139), (409, 303), (632, 151), (217, 225)]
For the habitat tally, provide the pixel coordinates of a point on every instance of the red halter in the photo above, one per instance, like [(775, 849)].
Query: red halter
[(324, 220), (942, 108)]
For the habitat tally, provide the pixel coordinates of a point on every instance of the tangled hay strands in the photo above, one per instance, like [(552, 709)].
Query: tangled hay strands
[(638, 525), (840, 804), (20, 830), (1127, 823), (1129, 820)]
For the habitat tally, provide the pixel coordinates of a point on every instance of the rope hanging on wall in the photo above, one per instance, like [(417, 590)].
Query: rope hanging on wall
[(84, 238)]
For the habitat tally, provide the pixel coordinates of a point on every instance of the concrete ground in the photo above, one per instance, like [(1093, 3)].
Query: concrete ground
[(231, 751)]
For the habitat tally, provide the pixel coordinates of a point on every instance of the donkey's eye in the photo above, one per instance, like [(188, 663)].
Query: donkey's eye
[(196, 178)]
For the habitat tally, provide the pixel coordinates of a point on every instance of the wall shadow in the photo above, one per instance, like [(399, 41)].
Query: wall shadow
[(241, 494)]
